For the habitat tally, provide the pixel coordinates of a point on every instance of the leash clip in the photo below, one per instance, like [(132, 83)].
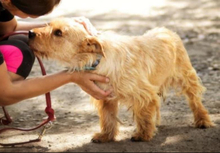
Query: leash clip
[(46, 127)]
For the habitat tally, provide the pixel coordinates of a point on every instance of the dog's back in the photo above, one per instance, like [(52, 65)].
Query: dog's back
[(134, 62)]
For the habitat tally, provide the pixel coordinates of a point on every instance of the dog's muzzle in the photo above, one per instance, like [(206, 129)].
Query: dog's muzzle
[(31, 34)]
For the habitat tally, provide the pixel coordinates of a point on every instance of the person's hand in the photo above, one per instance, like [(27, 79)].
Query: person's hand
[(86, 82), (87, 25)]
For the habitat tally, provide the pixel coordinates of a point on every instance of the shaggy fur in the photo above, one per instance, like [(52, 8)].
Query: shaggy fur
[(140, 69)]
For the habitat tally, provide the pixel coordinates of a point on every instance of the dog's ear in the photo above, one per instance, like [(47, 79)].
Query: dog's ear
[(91, 44)]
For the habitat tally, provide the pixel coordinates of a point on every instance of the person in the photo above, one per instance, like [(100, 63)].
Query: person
[(16, 58)]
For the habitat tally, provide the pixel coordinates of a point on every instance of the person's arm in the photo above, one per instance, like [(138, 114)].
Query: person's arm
[(13, 25), (13, 92), (22, 25)]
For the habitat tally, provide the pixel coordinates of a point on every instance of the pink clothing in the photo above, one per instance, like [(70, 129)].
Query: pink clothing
[(13, 57)]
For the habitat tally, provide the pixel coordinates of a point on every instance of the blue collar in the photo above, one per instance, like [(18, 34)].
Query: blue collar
[(94, 65)]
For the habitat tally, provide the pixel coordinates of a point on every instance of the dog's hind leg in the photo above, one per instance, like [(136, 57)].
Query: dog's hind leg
[(108, 121), (185, 76), (145, 119), (193, 89)]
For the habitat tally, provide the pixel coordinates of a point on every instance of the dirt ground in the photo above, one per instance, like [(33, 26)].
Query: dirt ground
[(198, 24)]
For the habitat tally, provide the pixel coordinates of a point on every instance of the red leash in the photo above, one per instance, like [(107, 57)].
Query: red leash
[(6, 120)]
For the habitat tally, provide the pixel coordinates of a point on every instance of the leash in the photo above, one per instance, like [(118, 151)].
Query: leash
[(6, 120)]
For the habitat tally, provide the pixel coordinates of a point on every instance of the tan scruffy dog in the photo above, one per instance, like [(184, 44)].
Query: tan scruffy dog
[(140, 69)]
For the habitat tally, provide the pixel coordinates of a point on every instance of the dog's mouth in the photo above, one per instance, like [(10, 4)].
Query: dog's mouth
[(39, 53)]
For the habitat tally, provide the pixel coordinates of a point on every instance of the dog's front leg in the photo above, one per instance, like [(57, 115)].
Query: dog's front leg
[(145, 120), (108, 111)]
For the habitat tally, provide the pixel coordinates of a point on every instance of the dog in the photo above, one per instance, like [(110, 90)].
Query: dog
[(140, 68)]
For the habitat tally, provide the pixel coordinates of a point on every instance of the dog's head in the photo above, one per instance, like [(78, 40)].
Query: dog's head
[(63, 39)]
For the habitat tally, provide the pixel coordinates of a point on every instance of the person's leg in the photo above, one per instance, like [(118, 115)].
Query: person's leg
[(18, 57)]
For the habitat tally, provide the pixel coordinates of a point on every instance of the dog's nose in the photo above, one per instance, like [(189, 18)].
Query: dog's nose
[(31, 34)]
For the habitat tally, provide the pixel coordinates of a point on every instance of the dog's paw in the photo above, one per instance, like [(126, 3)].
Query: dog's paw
[(138, 137), (102, 138), (203, 124)]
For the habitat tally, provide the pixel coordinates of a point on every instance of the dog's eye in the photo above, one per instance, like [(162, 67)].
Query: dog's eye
[(58, 33)]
